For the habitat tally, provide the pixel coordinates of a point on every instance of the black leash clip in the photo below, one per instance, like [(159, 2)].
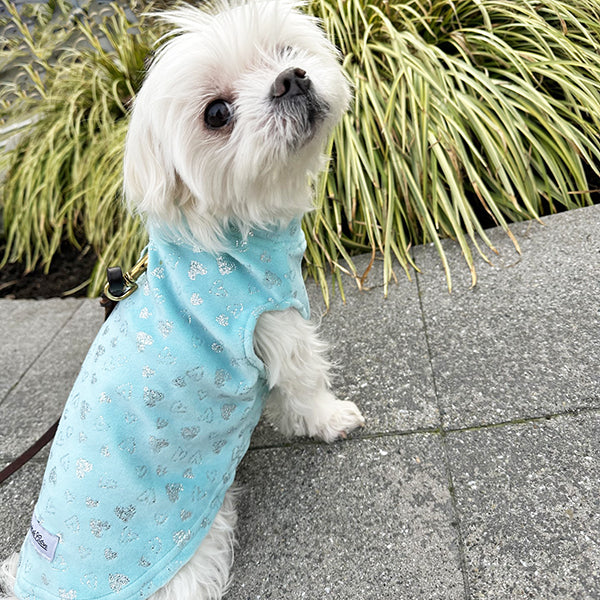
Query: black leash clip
[(121, 285)]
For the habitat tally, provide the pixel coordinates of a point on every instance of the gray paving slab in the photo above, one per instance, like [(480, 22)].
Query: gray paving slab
[(528, 503), (525, 341), (26, 328), (380, 348), (379, 352), (38, 398), (17, 499), (376, 516), (358, 519)]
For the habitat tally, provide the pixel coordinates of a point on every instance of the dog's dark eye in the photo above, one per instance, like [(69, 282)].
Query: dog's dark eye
[(217, 114)]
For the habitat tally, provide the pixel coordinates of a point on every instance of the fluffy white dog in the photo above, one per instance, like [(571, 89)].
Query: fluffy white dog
[(225, 133)]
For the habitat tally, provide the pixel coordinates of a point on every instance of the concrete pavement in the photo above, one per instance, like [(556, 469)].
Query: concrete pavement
[(478, 474)]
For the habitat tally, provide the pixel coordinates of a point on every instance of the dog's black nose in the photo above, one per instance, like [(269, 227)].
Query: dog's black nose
[(291, 82)]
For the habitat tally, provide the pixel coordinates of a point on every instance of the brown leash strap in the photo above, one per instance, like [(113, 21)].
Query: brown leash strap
[(108, 306), (119, 286), (28, 454)]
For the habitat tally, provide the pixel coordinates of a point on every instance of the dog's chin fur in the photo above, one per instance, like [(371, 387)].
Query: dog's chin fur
[(191, 180)]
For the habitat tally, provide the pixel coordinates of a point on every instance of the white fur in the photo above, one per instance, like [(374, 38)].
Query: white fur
[(191, 181), (300, 402), (206, 575), (181, 175), (8, 572)]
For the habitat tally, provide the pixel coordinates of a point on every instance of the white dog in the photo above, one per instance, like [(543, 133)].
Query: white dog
[(226, 131)]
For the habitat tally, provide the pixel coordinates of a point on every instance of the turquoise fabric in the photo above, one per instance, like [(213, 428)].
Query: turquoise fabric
[(158, 420)]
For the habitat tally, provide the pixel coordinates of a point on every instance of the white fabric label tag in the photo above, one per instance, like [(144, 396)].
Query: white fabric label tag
[(43, 541)]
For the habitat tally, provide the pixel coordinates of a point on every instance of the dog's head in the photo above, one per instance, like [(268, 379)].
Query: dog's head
[(232, 117)]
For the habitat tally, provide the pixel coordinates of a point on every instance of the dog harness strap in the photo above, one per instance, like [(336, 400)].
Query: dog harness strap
[(158, 420)]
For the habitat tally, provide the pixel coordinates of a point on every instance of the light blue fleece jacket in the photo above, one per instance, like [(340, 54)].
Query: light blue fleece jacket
[(158, 420)]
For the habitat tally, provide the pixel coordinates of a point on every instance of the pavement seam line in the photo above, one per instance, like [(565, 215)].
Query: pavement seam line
[(570, 412), (305, 441), (301, 442), (40, 353), (455, 523)]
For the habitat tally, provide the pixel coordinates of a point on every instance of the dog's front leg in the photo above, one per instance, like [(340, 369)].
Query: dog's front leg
[(300, 401)]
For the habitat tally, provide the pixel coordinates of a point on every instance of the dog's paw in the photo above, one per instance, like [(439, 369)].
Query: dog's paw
[(335, 419), (320, 415)]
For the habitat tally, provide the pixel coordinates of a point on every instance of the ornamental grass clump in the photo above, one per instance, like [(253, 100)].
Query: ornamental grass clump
[(76, 76), (466, 113)]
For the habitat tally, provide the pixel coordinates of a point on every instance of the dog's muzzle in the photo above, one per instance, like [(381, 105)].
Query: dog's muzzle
[(295, 100)]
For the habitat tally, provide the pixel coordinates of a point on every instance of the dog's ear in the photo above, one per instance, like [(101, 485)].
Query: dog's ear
[(149, 176)]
